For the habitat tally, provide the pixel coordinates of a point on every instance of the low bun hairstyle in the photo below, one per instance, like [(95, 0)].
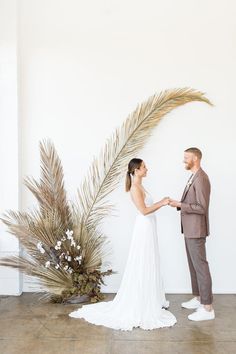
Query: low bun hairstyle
[(133, 164)]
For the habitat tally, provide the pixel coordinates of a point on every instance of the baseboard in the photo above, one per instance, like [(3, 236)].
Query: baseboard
[(180, 291)]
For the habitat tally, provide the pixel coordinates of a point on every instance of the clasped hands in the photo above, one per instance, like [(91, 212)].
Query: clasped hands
[(171, 202)]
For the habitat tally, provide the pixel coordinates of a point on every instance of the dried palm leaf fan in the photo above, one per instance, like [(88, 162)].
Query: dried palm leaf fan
[(64, 246)]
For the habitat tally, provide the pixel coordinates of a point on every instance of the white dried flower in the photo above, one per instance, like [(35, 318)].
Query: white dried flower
[(78, 258), (69, 258), (39, 245), (78, 247), (70, 270), (73, 243), (57, 266), (69, 234), (47, 264), (66, 267), (58, 243), (57, 247)]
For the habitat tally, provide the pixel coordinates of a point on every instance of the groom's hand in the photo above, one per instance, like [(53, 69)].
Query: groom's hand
[(174, 203)]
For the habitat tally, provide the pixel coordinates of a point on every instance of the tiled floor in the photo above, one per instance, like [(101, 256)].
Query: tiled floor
[(29, 326)]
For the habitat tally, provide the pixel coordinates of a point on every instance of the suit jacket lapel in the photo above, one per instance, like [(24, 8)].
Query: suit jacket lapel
[(189, 185), (186, 189)]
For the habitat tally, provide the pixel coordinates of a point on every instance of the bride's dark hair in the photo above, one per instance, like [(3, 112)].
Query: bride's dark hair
[(133, 164)]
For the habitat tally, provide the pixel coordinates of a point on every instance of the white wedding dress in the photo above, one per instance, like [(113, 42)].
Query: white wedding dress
[(141, 296)]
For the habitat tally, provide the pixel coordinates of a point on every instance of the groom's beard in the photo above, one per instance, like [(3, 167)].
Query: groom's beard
[(189, 165)]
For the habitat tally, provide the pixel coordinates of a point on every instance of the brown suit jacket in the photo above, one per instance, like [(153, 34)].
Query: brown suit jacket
[(195, 205)]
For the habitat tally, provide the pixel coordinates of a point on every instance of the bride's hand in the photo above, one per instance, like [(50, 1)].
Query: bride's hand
[(165, 201)]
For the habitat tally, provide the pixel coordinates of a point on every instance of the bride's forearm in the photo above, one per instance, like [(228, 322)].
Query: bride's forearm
[(152, 208)]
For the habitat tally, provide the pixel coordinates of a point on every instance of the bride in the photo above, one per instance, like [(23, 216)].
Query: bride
[(140, 300)]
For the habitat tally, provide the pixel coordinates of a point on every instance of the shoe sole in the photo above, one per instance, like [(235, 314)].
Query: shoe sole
[(205, 319), (190, 308)]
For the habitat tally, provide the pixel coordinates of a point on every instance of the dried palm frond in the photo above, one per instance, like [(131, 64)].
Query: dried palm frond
[(50, 192), (64, 247), (50, 279), (108, 168), (35, 226)]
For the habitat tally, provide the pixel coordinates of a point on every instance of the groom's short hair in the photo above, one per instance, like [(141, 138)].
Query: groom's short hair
[(195, 151)]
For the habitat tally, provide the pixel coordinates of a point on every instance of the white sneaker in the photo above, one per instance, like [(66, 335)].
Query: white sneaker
[(191, 304), (201, 314)]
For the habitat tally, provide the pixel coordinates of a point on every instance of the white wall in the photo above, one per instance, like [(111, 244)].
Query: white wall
[(83, 67), (10, 280)]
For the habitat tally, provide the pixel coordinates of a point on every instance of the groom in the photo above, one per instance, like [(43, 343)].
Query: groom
[(193, 207)]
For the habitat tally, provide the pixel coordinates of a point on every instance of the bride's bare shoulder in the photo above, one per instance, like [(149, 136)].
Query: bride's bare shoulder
[(135, 189)]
